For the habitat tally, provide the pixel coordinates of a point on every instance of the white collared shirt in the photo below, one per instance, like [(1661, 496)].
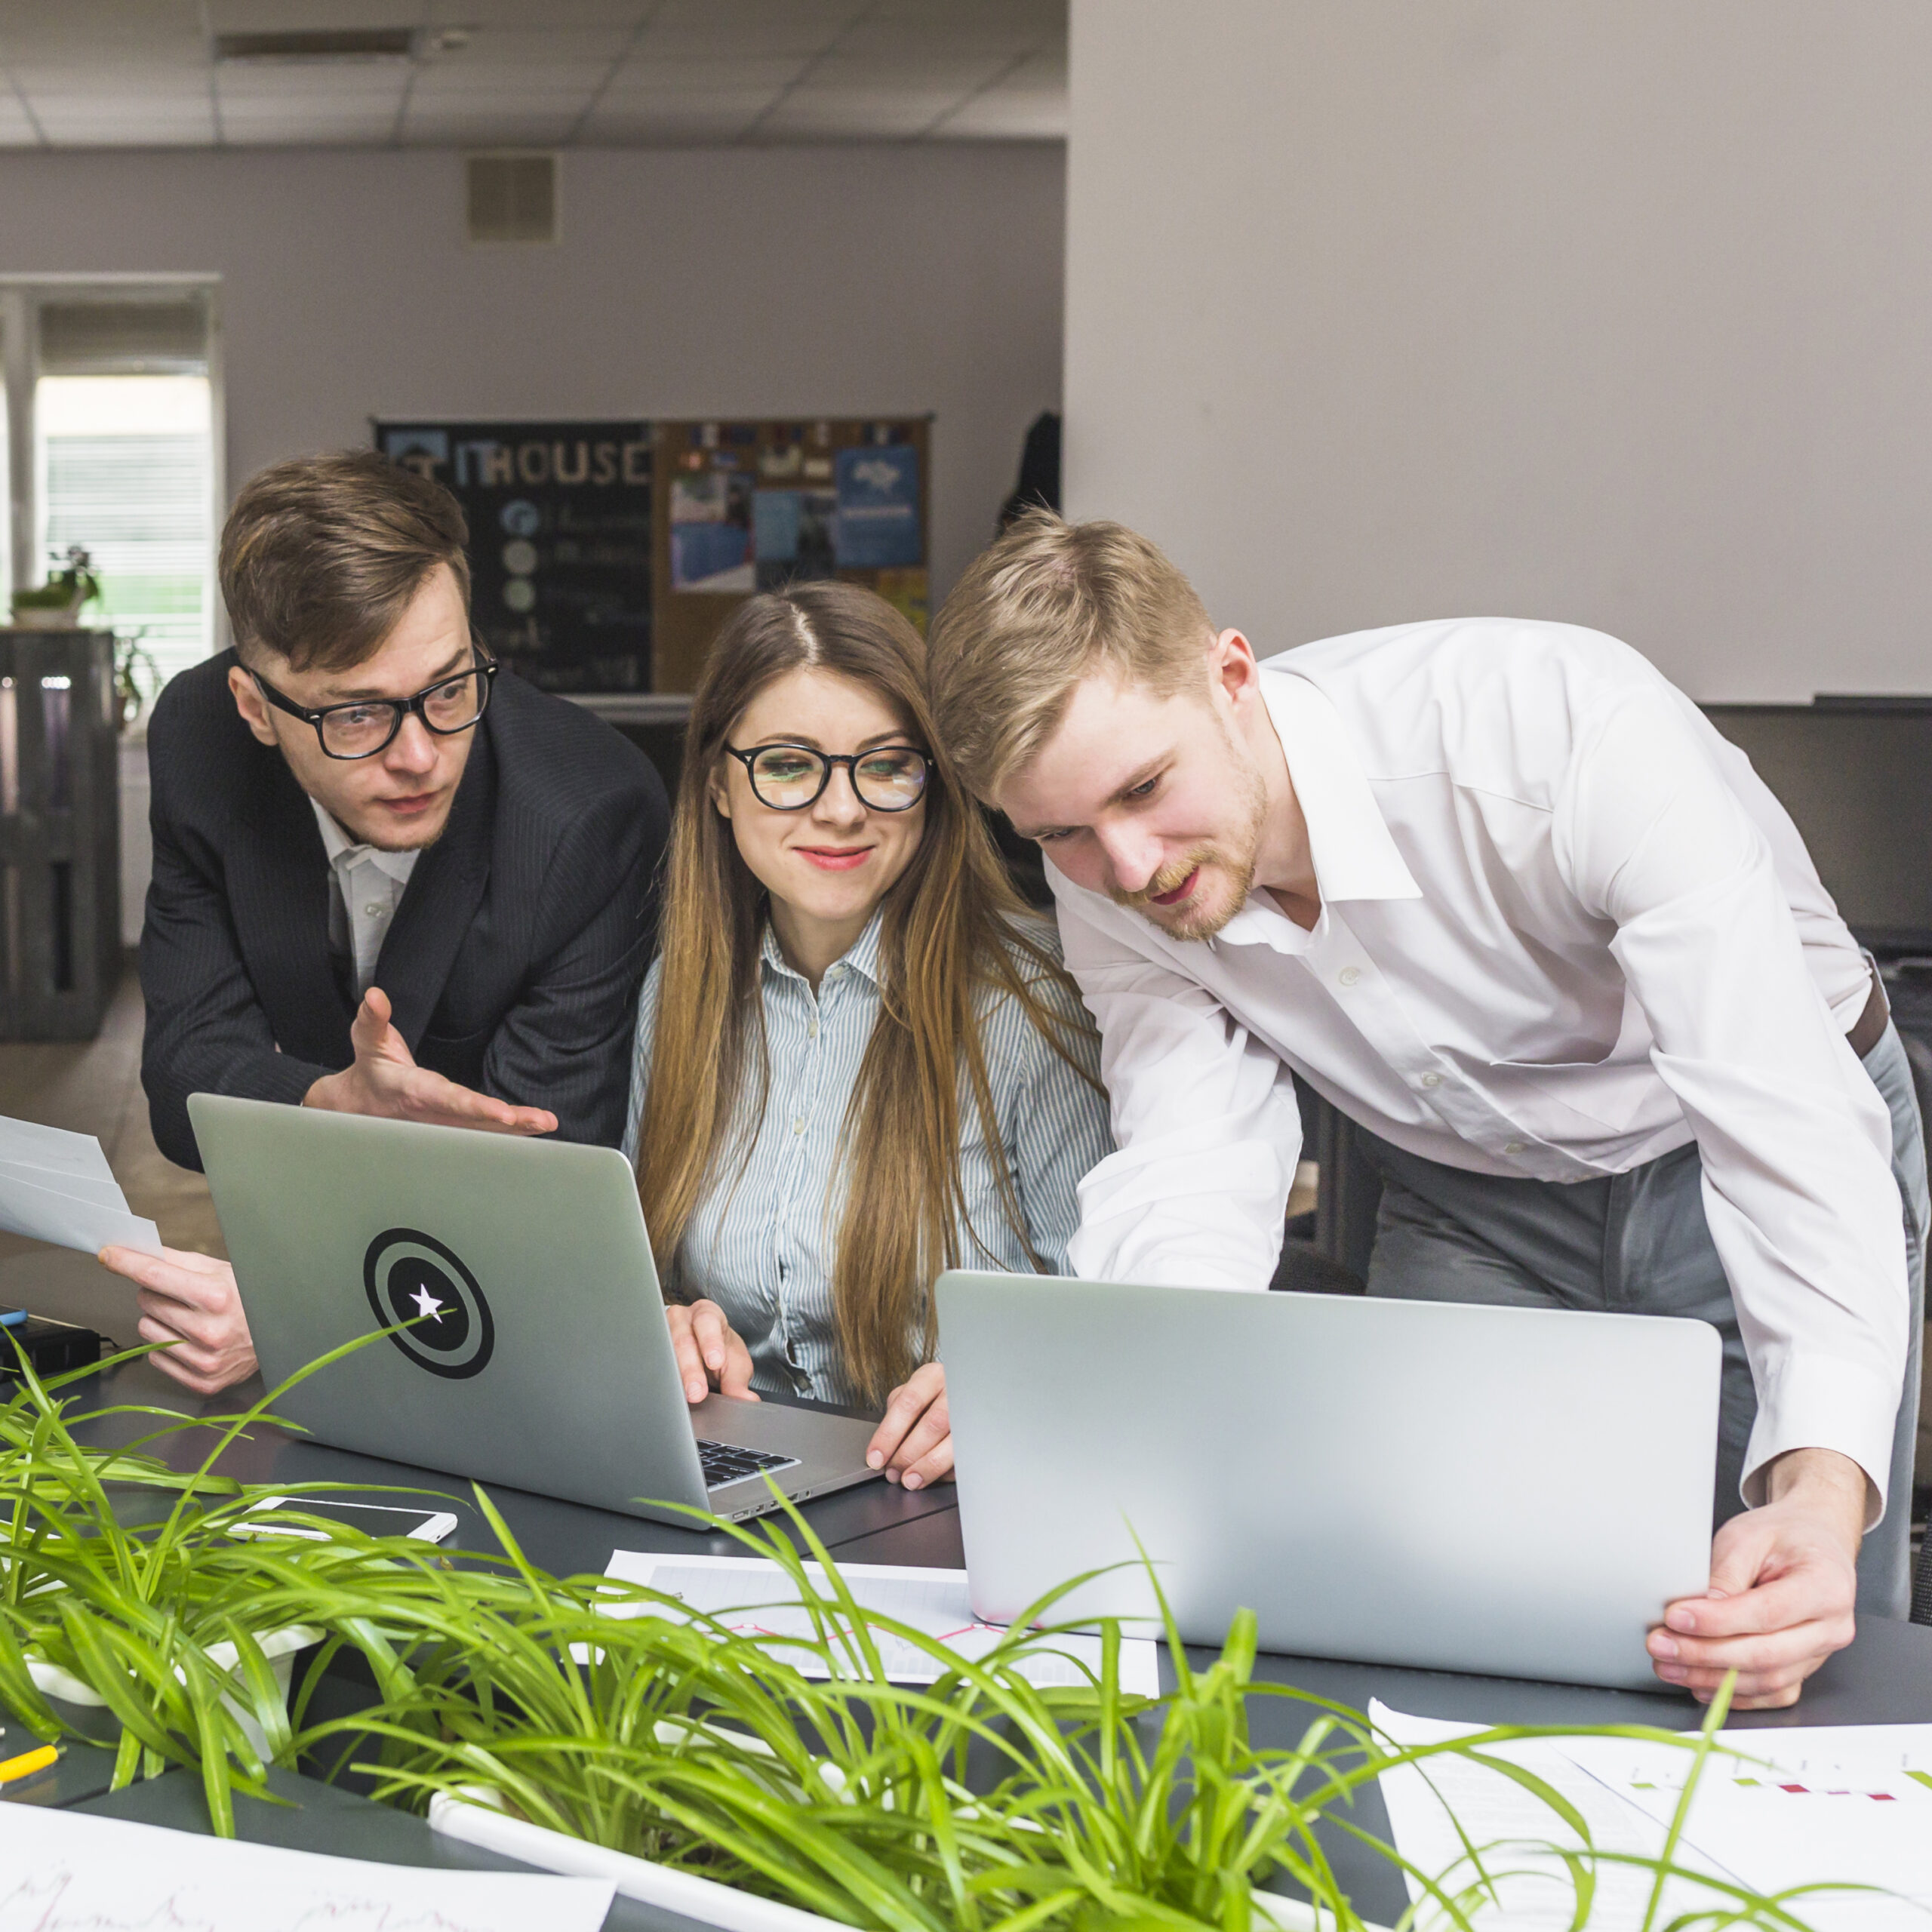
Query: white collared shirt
[(1565, 929), (368, 884)]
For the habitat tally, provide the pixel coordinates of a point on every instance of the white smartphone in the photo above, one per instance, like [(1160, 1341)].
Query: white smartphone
[(375, 1519)]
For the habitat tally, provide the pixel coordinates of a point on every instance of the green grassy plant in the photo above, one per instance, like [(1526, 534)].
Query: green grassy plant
[(982, 1802)]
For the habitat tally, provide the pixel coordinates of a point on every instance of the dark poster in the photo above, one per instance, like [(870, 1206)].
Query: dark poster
[(560, 541)]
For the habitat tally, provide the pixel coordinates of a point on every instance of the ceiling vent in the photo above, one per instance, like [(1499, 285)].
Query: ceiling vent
[(512, 197), (321, 43)]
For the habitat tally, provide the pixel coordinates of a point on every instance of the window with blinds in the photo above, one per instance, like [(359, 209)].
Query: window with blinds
[(124, 447)]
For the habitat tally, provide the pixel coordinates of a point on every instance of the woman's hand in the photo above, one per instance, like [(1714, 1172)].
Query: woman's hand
[(190, 1302), (913, 1445), (709, 1354)]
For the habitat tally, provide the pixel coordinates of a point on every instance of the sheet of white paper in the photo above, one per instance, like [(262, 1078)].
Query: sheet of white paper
[(1837, 1806), (1510, 1829), (1797, 1809), (66, 1869), (75, 1187), (936, 1602), (47, 1215), (52, 1148)]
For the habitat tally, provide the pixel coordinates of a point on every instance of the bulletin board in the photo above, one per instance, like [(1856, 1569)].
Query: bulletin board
[(749, 505), (561, 541)]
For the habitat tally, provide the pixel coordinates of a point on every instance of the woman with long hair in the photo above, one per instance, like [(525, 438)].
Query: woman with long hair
[(858, 1061)]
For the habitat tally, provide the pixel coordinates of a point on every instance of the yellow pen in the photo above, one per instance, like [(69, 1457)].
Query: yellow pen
[(13, 1769)]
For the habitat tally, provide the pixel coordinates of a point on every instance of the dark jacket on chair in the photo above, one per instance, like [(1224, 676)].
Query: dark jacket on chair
[(518, 945)]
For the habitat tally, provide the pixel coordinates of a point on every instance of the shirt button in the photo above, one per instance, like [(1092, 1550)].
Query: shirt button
[(812, 1029), (798, 1125), (1513, 1147), (1348, 975), (1431, 1079)]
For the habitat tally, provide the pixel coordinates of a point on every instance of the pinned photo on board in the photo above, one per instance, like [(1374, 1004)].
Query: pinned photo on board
[(711, 532)]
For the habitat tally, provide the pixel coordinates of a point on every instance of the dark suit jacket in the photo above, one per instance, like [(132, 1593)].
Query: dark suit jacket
[(514, 961)]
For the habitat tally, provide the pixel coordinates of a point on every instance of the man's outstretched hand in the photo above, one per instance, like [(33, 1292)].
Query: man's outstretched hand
[(189, 1302), (1784, 1582), (384, 1080)]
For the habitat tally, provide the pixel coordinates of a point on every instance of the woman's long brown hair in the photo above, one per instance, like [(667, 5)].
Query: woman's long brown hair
[(953, 928)]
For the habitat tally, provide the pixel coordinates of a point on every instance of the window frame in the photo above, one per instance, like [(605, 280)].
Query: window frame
[(22, 297)]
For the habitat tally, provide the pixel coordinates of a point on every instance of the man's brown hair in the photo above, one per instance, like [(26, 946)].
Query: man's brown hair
[(320, 555), (1049, 603)]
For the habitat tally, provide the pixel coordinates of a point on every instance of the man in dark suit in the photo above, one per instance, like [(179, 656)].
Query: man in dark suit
[(389, 879)]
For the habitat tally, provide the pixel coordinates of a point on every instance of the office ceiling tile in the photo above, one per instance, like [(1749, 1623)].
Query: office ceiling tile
[(692, 29), (303, 131), (583, 78), (719, 114), (638, 75), (491, 47), (607, 72), (922, 73), (625, 13), (29, 27), (486, 131), (829, 114), (129, 131), (75, 102), (1015, 28), (365, 82), (493, 123), (997, 115)]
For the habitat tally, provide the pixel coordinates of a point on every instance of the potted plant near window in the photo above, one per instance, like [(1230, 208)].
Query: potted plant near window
[(56, 604), (136, 676)]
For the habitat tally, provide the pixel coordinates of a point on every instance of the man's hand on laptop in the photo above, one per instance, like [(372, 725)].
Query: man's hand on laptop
[(913, 1444), (709, 1353), (384, 1080), (190, 1301), (1784, 1580)]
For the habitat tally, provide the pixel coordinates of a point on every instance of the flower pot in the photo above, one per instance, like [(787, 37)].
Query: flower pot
[(477, 1816), (279, 1647)]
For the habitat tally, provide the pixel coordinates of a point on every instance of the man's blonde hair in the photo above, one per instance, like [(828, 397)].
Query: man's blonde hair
[(1046, 606)]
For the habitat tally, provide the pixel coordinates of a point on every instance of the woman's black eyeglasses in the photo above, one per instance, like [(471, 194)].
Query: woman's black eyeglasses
[(789, 777), (365, 726)]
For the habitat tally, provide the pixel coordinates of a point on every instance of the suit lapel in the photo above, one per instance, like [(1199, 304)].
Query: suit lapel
[(441, 900), (277, 876)]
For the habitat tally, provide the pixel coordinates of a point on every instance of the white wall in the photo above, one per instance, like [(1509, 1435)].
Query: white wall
[(783, 281), (1620, 314)]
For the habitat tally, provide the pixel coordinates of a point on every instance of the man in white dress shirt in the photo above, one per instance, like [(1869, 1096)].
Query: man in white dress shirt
[(1501, 894)]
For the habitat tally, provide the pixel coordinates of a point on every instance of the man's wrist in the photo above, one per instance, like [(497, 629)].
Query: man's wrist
[(1826, 1482)]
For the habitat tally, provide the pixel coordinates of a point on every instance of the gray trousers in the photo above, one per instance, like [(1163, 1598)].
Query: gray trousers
[(1638, 1242)]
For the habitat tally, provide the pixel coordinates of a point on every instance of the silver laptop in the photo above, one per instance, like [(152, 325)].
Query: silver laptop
[(537, 1353), (1448, 1487)]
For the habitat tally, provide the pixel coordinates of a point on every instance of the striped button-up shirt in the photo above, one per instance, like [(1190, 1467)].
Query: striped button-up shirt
[(761, 1244)]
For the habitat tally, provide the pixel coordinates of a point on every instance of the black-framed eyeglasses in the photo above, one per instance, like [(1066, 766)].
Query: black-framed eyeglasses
[(363, 727), (890, 778)]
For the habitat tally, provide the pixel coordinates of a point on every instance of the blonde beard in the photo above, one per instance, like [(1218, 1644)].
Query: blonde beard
[(1236, 866)]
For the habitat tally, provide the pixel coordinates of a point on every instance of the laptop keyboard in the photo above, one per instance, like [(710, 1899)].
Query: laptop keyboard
[(725, 1463)]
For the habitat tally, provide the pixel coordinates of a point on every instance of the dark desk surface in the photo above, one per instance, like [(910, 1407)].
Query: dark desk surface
[(1885, 1678), (566, 1539)]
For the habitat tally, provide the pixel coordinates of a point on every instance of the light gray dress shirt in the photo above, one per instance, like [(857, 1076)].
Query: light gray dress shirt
[(368, 885), (762, 1243)]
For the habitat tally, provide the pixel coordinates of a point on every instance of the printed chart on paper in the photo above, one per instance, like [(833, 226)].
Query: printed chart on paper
[(755, 1597), (1834, 1807), (64, 1868)]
